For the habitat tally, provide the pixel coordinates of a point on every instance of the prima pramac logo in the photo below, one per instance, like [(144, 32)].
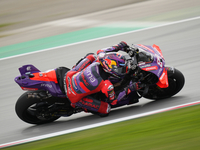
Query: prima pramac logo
[(90, 75)]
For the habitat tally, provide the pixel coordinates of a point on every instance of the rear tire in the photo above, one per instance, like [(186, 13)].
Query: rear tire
[(23, 106), (176, 82)]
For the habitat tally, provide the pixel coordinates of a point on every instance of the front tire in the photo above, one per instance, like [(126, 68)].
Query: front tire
[(176, 82), (24, 109)]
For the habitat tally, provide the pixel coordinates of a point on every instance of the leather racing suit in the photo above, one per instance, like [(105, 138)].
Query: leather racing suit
[(88, 77)]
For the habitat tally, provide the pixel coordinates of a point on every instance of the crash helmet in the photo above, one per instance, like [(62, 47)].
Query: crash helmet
[(114, 63)]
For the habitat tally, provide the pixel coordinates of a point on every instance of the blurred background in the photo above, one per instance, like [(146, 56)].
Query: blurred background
[(24, 20)]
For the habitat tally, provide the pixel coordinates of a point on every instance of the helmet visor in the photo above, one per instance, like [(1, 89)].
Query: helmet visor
[(121, 69)]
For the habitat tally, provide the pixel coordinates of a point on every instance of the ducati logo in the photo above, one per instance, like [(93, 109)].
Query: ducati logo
[(28, 68)]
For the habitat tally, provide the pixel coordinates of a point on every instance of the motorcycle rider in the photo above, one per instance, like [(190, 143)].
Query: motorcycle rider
[(92, 75)]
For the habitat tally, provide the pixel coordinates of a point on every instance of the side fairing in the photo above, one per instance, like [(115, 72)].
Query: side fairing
[(156, 63)]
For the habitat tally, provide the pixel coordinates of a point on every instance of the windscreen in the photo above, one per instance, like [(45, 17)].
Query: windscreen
[(145, 57)]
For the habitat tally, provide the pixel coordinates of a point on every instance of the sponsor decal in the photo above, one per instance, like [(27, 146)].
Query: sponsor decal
[(88, 100), (84, 80), (89, 75), (150, 68), (69, 87), (84, 65), (29, 89), (112, 95), (110, 63), (159, 61), (46, 85), (144, 66), (161, 77), (111, 87), (159, 72), (74, 85), (89, 104)]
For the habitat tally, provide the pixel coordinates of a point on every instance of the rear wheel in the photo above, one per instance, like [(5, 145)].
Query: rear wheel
[(176, 82), (31, 109)]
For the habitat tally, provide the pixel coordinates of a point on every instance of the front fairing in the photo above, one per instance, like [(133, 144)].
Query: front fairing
[(154, 63)]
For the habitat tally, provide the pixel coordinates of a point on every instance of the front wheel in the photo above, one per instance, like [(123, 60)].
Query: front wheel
[(176, 82), (29, 109)]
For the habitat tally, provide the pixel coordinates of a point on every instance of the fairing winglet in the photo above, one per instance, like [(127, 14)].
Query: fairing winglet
[(163, 80), (158, 50), (28, 68)]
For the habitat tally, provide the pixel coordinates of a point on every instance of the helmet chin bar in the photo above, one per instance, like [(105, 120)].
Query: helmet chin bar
[(111, 73)]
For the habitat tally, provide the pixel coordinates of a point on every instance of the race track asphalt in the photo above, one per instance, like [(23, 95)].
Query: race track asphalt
[(179, 43)]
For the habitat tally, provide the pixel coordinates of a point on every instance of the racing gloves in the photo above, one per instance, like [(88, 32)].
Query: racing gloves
[(121, 46), (133, 86)]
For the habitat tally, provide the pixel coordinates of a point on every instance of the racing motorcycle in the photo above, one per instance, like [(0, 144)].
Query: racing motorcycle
[(45, 101)]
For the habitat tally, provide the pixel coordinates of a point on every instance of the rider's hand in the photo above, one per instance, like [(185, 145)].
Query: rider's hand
[(121, 46), (134, 86), (124, 46)]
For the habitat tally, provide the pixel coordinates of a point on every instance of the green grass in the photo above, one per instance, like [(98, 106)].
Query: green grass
[(5, 24), (173, 130)]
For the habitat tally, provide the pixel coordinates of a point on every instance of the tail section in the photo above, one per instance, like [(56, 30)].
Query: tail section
[(28, 69)]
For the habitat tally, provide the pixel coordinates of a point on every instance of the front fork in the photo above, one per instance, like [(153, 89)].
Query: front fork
[(170, 70)]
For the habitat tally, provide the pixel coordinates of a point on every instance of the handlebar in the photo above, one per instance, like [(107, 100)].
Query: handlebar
[(132, 51)]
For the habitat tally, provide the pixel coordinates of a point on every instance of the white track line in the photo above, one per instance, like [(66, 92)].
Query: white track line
[(95, 125), (176, 22)]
